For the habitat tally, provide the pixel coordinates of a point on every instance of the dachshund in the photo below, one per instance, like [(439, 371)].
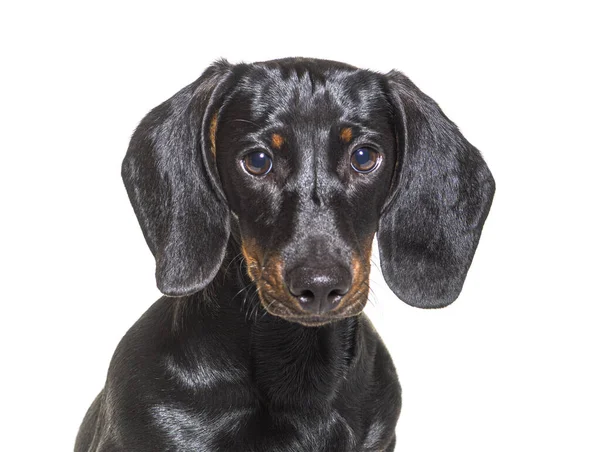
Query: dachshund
[(259, 189)]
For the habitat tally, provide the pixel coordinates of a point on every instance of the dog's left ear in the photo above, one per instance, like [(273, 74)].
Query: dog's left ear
[(171, 179), (442, 193)]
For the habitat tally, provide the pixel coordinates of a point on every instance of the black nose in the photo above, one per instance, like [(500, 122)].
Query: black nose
[(319, 290)]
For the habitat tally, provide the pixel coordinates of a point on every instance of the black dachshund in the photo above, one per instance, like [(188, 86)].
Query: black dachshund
[(259, 189)]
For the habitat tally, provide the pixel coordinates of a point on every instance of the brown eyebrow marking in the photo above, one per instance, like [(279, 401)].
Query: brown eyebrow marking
[(277, 141), (346, 134), (213, 135)]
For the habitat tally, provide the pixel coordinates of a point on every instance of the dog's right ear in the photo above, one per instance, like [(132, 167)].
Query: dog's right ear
[(169, 173)]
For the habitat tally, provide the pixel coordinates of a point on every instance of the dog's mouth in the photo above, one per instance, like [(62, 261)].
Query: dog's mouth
[(290, 309), (277, 299)]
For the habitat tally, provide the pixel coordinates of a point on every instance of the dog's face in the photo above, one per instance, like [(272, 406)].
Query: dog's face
[(306, 162), (311, 159)]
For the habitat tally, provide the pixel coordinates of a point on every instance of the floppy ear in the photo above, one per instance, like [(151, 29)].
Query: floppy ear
[(169, 176), (443, 190)]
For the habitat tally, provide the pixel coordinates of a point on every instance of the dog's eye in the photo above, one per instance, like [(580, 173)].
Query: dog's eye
[(257, 163), (365, 160)]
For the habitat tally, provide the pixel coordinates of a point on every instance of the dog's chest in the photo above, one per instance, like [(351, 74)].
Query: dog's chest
[(263, 392), (254, 430)]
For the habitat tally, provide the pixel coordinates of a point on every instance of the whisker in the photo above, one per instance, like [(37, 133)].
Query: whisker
[(247, 286), (255, 306), (240, 266), (250, 304), (375, 264), (232, 260), (267, 308)]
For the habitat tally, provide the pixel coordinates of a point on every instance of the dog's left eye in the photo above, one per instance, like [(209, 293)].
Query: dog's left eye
[(365, 160), (257, 163)]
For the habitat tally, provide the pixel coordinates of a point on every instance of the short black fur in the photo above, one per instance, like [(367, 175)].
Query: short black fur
[(233, 360)]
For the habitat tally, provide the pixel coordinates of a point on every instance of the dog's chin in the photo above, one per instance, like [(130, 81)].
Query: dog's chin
[(312, 320), (284, 312)]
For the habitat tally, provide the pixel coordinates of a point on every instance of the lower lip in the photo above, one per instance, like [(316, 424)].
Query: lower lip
[(312, 321)]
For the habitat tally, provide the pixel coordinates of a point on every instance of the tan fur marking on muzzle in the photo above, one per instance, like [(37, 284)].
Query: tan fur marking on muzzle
[(250, 253)]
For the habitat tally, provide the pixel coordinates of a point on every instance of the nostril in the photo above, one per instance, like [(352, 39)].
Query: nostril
[(306, 296), (335, 296)]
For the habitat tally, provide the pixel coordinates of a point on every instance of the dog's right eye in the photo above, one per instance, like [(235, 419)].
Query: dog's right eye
[(257, 163)]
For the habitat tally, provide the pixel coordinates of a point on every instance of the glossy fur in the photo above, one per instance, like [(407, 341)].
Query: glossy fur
[(233, 360)]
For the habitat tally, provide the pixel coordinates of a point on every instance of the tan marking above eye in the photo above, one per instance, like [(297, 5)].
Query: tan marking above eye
[(213, 135), (277, 141), (346, 134)]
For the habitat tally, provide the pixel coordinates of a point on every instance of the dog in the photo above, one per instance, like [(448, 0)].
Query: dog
[(259, 189)]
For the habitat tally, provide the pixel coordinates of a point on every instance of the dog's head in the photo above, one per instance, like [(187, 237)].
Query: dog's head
[(311, 159)]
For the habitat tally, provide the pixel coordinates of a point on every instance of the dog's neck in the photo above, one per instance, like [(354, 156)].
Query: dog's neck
[(292, 365)]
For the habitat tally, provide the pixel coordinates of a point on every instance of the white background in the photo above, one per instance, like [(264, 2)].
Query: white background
[(512, 365)]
